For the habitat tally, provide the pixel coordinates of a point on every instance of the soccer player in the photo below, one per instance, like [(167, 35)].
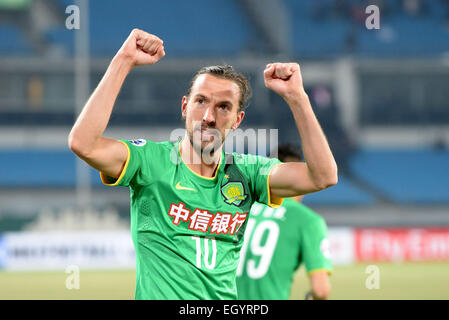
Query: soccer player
[(190, 201), (277, 241)]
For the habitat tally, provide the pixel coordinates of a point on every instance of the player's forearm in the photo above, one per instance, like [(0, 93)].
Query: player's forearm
[(94, 117), (317, 153), (320, 286)]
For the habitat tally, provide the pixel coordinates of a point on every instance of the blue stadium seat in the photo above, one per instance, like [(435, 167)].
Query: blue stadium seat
[(194, 28), (405, 37), (222, 29), (12, 42), (324, 39), (62, 38), (40, 169), (400, 35), (407, 176), (344, 193)]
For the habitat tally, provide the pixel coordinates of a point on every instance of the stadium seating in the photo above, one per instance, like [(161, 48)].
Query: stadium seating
[(407, 176), (393, 173), (218, 28), (40, 169), (344, 193), (222, 28), (12, 42), (320, 30), (56, 169), (405, 37)]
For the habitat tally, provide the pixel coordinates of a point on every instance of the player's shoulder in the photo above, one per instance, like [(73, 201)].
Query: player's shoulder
[(159, 152), (247, 160), (146, 144), (243, 157), (167, 145)]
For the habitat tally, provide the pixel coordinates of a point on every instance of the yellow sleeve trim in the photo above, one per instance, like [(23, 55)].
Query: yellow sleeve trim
[(106, 179), (274, 202), (329, 272)]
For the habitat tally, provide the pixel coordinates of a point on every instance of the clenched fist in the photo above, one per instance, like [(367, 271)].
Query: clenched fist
[(285, 79), (142, 48)]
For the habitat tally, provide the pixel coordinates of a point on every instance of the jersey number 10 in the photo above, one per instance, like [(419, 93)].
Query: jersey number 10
[(207, 264)]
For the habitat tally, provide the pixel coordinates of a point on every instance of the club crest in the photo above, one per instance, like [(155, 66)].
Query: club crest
[(234, 193)]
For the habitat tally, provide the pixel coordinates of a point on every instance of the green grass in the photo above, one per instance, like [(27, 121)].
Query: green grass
[(101, 285), (397, 281)]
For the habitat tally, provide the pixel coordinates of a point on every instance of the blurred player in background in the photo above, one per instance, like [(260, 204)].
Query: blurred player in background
[(277, 241), (189, 201)]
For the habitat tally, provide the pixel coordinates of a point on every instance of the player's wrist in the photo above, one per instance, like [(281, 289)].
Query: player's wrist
[(124, 60), (297, 98)]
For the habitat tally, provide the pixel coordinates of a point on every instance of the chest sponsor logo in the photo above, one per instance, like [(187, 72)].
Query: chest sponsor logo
[(234, 193), (205, 221)]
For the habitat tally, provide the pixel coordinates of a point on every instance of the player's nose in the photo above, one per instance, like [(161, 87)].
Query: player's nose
[(209, 115)]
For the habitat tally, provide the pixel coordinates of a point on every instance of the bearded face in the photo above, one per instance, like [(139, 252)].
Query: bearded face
[(211, 110), (205, 139)]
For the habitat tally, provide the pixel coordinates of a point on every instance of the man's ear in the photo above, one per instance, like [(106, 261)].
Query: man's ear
[(184, 107), (240, 116)]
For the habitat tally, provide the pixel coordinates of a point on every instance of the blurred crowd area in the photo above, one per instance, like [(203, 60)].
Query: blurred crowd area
[(380, 95)]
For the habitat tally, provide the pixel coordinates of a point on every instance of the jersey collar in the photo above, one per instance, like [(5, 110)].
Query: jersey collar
[(205, 181)]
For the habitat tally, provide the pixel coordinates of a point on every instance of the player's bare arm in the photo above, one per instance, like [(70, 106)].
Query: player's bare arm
[(86, 137), (320, 169), (320, 285)]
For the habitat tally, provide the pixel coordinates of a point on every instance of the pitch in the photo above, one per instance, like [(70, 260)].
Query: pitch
[(396, 281)]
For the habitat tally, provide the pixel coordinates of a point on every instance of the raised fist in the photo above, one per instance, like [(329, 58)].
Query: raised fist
[(142, 48), (285, 79)]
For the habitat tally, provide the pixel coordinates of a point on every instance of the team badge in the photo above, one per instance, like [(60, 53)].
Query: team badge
[(138, 142), (234, 193)]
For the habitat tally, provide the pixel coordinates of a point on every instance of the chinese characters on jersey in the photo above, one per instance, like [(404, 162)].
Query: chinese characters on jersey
[(203, 220)]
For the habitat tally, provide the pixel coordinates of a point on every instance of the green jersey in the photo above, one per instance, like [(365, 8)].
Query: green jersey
[(188, 229), (277, 241)]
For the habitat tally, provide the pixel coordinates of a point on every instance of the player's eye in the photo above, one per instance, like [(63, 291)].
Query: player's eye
[(224, 107)]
